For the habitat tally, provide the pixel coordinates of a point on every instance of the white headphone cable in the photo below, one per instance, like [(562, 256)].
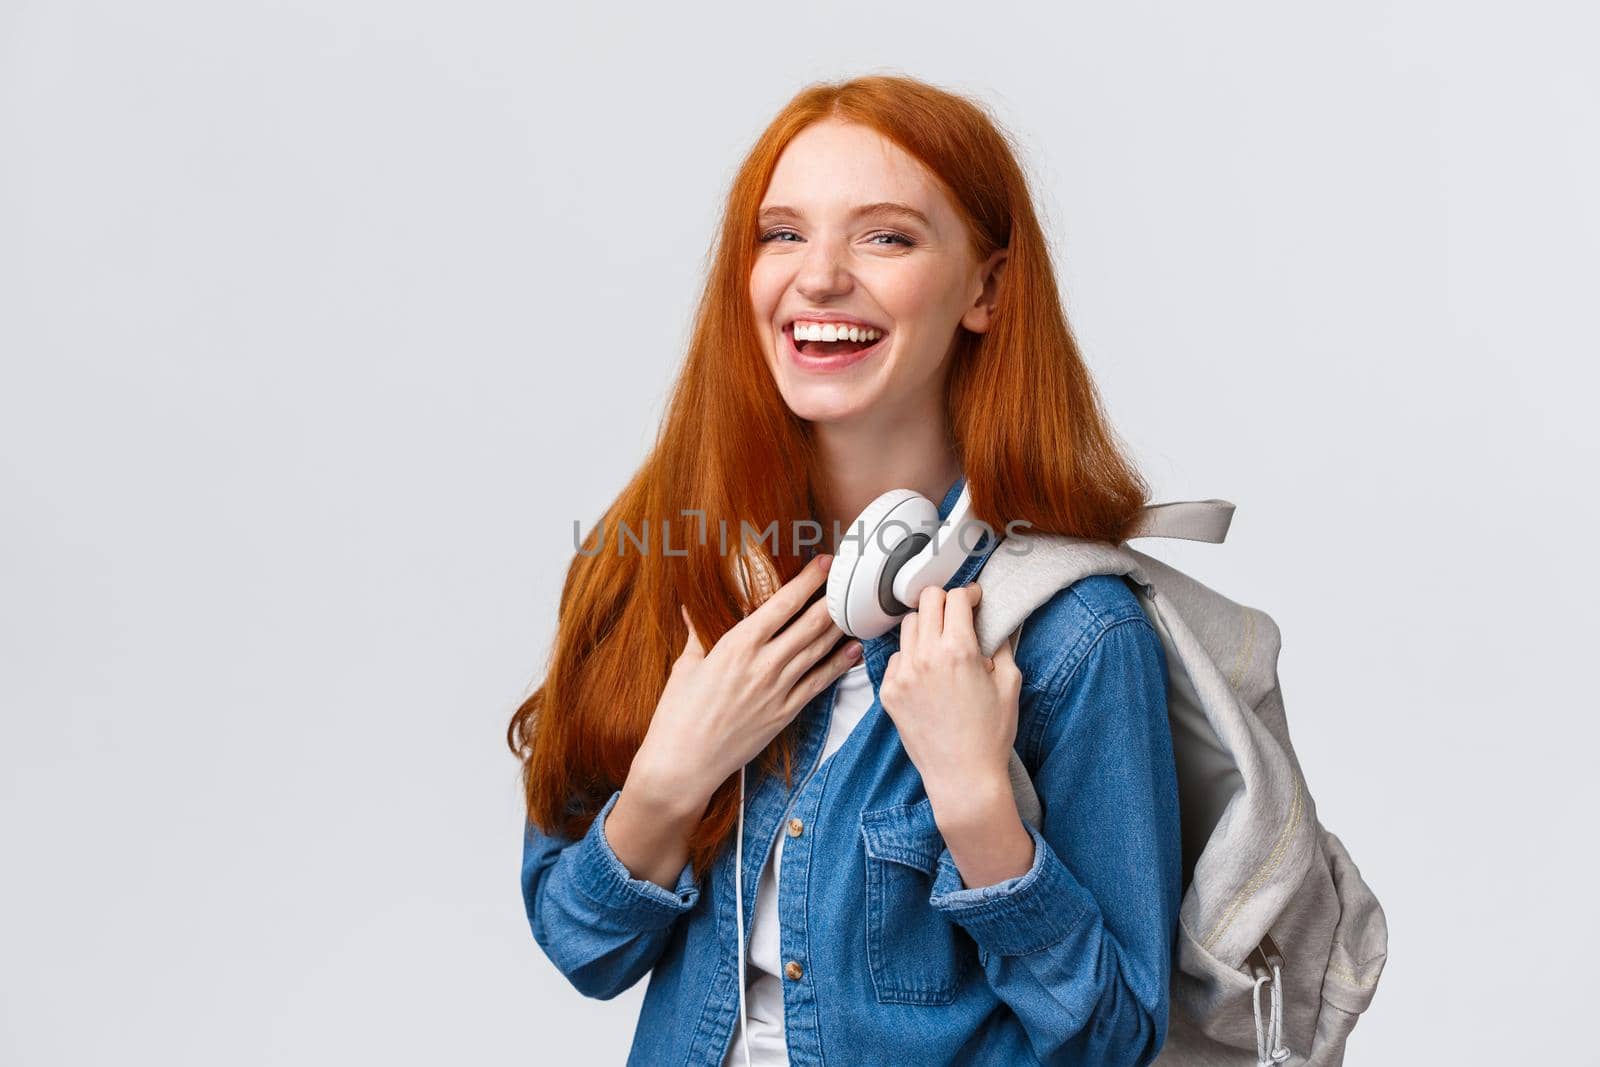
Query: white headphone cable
[(738, 910)]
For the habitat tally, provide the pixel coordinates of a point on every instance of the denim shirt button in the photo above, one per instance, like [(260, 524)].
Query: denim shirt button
[(793, 969), (795, 827)]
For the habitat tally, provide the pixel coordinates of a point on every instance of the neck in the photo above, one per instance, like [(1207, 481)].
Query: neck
[(861, 461)]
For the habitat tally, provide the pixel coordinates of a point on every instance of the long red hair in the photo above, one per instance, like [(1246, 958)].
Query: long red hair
[(1030, 433)]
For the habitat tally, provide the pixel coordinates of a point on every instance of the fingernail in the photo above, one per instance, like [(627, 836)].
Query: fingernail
[(824, 562), (853, 650)]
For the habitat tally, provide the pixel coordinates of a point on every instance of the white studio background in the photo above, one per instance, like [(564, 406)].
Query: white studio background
[(321, 323)]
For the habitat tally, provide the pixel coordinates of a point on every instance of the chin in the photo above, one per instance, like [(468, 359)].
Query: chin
[(816, 402)]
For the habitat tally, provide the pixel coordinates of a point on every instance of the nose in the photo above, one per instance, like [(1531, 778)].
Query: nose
[(824, 272)]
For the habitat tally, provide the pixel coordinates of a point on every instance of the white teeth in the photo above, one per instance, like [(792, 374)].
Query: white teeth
[(829, 331)]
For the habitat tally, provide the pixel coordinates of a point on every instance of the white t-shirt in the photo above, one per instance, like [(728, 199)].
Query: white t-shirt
[(763, 997)]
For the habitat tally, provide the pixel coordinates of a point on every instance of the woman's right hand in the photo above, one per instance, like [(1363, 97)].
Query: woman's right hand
[(721, 708)]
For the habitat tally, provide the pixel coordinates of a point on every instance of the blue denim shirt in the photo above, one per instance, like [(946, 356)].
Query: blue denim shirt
[(1067, 963)]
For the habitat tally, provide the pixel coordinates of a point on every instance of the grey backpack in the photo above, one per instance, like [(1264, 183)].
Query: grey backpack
[(1271, 898)]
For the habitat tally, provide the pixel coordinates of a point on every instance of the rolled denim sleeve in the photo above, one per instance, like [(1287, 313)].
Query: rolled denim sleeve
[(600, 926), (1019, 915), (1080, 945)]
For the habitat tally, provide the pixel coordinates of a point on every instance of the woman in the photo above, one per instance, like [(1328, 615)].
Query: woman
[(900, 906)]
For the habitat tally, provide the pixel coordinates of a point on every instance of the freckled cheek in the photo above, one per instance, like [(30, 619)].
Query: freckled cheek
[(766, 286), (912, 301)]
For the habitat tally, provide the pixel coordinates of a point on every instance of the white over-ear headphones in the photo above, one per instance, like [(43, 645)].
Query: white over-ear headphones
[(892, 552)]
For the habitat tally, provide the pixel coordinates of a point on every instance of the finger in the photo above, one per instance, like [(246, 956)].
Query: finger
[(821, 676), (811, 623), (691, 643), (908, 632), (888, 689), (1005, 661), (790, 598), (930, 607), (958, 606), (805, 657)]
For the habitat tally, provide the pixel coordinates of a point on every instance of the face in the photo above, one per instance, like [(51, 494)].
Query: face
[(856, 233)]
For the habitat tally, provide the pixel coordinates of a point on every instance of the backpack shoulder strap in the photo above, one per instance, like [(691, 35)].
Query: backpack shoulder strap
[(1192, 520), (1026, 570), (1022, 573)]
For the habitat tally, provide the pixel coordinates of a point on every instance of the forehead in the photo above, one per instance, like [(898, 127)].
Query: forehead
[(832, 167)]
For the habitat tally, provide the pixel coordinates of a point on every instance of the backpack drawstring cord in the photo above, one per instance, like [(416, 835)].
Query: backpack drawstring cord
[(1280, 1052), (1269, 1038)]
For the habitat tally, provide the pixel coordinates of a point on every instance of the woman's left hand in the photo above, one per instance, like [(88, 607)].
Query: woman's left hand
[(955, 708)]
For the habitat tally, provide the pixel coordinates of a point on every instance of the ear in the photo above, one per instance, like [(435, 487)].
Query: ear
[(980, 315)]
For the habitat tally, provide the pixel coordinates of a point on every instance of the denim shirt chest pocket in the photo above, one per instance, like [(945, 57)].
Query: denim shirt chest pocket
[(915, 954)]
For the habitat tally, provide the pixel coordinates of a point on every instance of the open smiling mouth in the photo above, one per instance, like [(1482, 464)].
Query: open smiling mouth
[(829, 355)]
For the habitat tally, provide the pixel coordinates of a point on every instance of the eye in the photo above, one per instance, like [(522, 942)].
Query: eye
[(885, 236)]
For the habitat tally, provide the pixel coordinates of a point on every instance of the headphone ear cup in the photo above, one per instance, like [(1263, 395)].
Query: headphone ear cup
[(851, 562)]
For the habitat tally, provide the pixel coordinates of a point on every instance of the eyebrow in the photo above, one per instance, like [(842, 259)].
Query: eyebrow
[(882, 207)]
